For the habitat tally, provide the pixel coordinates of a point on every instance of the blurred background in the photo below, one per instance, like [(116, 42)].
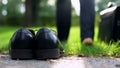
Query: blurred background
[(40, 12)]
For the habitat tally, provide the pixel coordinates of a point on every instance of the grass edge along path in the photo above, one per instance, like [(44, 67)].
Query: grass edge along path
[(72, 47)]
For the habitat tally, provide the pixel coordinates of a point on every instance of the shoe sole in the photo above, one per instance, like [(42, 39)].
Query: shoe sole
[(47, 54), (22, 54)]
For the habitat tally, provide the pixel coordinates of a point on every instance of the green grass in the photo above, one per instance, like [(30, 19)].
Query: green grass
[(75, 47), (72, 47)]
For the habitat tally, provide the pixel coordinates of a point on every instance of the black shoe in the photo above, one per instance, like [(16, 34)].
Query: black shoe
[(21, 44), (47, 44)]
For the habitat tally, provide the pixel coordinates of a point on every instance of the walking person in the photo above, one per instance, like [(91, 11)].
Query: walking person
[(87, 17)]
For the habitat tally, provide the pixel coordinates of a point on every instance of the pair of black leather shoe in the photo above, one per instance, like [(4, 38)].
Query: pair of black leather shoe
[(24, 44)]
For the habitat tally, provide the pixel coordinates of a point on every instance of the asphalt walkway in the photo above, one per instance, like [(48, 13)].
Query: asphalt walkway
[(64, 62)]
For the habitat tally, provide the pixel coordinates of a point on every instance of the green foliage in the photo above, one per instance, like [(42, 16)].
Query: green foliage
[(46, 10), (13, 17)]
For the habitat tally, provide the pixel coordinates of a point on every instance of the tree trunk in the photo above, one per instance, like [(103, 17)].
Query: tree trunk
[(31, 13)]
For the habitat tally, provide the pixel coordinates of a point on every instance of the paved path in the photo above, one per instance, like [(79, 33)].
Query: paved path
[(64, 62)]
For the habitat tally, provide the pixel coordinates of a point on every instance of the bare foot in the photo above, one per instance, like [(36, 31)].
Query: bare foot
[(88, 41)]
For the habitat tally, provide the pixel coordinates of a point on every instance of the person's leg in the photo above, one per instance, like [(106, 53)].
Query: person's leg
[(63, 17), (87, 17)]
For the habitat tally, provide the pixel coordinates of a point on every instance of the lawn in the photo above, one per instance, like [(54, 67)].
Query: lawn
[(72, 47)]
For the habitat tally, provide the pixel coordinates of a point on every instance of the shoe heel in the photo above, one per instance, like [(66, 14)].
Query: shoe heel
[(47, 54), (21, 54)]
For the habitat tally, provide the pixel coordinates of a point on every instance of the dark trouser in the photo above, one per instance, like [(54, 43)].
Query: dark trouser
[(87, 16)]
